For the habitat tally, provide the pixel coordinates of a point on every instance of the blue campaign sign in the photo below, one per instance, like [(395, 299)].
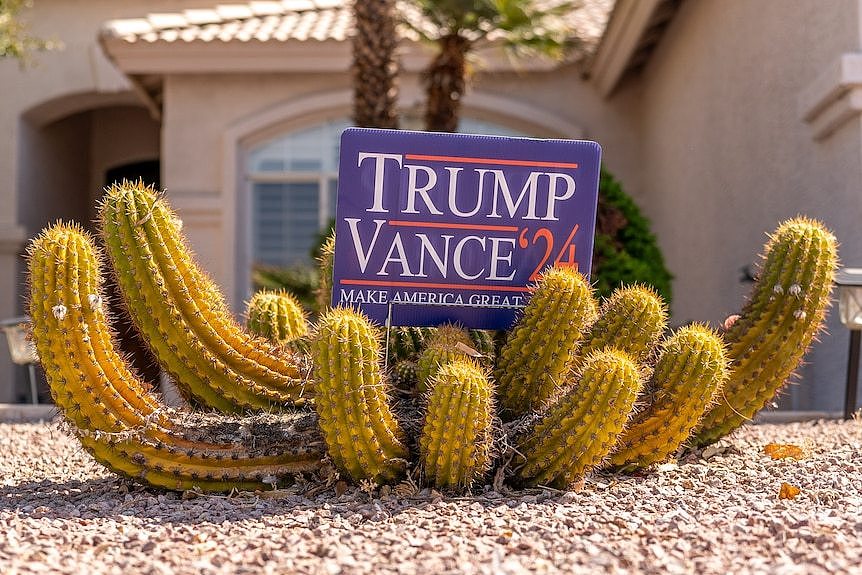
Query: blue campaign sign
[(435, 227)]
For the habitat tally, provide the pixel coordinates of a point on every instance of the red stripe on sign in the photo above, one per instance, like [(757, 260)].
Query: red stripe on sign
[(490, 161), (385, 283), (479, 227)]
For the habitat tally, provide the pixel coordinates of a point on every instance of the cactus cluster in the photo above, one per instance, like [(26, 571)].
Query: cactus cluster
[(581, 385), (117, 419)]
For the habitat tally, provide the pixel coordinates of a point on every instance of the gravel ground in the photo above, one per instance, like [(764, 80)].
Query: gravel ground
[(717, 511)]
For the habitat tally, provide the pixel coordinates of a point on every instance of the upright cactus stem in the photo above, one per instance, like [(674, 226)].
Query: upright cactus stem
[(632, 320), (784, 314), (352, 401), (276, 316), (581, 428), (325, 265), (534, 363), (691, 369), (114, 415), (182, 314), (455, 445)]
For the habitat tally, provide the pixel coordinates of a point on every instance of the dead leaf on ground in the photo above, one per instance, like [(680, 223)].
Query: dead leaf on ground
[(788, 491), (783, 451)]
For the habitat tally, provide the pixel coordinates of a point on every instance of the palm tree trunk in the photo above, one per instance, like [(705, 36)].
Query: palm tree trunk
[(446, 84), (374, 68)]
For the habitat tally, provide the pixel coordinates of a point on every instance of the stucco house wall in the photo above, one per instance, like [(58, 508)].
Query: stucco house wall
[(726, 154)]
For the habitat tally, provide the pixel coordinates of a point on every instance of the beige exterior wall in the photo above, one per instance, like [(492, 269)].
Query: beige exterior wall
[(726, 154)]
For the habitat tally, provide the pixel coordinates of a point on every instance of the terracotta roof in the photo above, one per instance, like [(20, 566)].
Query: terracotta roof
[(280, 21)]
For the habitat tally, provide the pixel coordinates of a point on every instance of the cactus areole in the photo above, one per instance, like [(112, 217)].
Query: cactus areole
[(450, 227)]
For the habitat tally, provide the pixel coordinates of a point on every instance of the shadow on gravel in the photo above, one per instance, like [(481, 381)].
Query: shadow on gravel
[(113, 498)]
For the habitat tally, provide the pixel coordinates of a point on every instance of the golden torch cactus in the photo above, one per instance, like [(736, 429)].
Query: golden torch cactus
[(115, 416), (448, 343), (455, 445), (534, 364), (583, 425), (182, 315), (632, 320), (783, 315), (325, 262), (276, 316), (363, 436), (692, 367)]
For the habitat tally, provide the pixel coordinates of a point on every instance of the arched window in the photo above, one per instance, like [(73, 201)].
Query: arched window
[(293, 186), (293, 183)]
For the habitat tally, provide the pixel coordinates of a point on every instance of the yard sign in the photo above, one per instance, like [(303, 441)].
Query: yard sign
[(437, 227)]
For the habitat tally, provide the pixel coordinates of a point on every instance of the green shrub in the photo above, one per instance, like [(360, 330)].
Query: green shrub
[(625, 250)]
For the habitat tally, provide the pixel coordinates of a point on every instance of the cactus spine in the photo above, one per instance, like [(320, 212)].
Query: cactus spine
[(182, 315), (351, 399), (456, 438), (447, 344), (632, 320), (276, 316), (117, 420), (691, 368), (325, 266), (583, 425), (779, 322), (536, 359)]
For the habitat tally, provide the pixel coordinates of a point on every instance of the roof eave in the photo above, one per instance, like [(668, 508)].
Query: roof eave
[(634, 28), (308, 56)]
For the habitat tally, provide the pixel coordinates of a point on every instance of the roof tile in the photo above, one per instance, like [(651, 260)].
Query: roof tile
[(284, 20)]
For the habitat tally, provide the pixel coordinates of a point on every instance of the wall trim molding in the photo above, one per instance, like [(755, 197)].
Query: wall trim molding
[(834, 97)]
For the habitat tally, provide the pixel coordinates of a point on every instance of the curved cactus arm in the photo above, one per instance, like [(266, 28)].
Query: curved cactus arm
[(276, 316), (692, 366), (783, 315), (455, 443), (534, 364), (114, 414), (180, 312), (213, 462), (632, 320), (363, 436), (582, 427)]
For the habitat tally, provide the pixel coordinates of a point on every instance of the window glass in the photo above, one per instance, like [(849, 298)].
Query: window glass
[(286, 222)]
